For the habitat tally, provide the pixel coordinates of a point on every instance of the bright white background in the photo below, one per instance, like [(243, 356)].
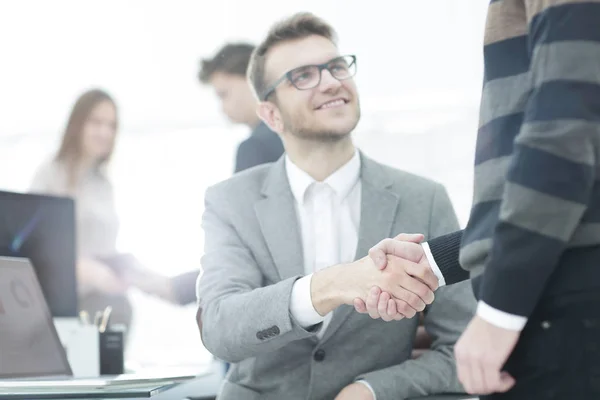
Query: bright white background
[(419, 75)]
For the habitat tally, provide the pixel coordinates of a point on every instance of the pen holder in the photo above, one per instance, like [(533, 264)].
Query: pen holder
[(81, 343), (92, 353), (111, 350)]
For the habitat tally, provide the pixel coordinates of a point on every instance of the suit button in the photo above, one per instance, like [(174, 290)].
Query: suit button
[(319, 355)]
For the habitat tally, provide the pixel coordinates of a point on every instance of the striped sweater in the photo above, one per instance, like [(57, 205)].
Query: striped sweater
[(535, 223)]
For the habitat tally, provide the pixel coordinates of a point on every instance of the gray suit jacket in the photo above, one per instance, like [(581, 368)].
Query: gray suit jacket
[(253, 256)]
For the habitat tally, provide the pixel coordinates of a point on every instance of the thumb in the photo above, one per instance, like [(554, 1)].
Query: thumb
[(379, 257), (506, 382), (410, 237)]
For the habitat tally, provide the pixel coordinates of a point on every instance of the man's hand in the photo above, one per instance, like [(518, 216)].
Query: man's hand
[(405, 245), (151, 283), (380, 304), (481, 353), (94, 275), (409, 285), (355, 391)]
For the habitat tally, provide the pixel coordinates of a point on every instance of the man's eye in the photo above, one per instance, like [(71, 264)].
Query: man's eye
[(303, 76)]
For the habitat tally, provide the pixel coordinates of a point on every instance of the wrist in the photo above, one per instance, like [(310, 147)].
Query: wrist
[(168, 292), (325, 293)]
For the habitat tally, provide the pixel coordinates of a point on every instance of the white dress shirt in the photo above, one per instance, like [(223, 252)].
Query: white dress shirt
[(484, 311), (329, 218)]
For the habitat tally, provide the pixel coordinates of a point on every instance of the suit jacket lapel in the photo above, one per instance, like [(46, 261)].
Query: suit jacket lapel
[(278, 221), (377, 214)]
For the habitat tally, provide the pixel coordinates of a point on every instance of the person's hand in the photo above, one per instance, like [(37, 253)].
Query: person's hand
[(405, 245), (480, 355), (93, 274), (151, 283), (355, 391), (380, 304), (411, 285)]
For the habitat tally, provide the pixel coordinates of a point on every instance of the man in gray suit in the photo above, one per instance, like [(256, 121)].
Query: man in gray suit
[(279, 270)]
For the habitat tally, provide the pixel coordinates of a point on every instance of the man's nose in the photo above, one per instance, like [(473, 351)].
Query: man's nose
[(328, 82)]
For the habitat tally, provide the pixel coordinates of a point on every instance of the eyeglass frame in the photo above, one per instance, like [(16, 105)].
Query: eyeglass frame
[(288, 75)]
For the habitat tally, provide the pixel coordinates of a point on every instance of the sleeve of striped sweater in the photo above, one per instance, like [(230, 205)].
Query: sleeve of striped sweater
[(551, 176)]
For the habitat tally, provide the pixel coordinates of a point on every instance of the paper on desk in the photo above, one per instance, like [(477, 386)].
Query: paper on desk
[(130, 381), (120, 391), (77, 384)]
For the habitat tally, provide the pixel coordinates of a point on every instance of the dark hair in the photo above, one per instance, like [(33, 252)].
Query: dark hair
[(233, 58), (69, 152), (298, 26)]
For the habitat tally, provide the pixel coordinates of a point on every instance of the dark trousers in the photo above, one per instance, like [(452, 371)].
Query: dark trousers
[(558, 353)]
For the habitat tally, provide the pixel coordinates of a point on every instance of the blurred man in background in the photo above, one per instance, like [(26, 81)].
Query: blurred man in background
[(226, 73)]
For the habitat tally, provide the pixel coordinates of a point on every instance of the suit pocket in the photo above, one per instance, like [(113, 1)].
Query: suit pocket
[(232, 391)]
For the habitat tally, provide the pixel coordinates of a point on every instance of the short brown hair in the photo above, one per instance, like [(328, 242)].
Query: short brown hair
[(298, 26), (233, 59)]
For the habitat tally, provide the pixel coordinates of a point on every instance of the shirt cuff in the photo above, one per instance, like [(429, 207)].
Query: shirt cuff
[(370, 388), (499, 318), (434, 267), (301, 306)]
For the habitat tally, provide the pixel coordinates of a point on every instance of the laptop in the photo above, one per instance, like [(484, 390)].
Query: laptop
[(33, 362), (29, 343)]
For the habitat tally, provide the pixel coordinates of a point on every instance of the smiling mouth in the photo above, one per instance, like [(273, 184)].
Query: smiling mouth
[(333, 104)]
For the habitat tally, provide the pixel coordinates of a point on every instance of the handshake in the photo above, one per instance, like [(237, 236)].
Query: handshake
[(393, 282)]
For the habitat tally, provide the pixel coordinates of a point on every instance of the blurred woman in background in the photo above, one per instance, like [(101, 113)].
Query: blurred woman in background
[(78, 170)]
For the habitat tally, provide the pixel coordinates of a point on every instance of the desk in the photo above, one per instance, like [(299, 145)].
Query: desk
[(206, 388), (446, 397)]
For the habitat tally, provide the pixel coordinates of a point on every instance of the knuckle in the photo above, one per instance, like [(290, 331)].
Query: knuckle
[(404, 308), (415, 270), (371, 301), (401, 306), (383, 245), (422, 291), (412, 299)]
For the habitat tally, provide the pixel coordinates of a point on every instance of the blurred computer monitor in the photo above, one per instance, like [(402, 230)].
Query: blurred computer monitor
[(42, 229)]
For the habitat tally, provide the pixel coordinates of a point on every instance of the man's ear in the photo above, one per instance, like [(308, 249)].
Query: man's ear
[(270, 115)]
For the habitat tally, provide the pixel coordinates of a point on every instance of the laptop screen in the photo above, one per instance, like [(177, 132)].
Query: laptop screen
[(29, 344), (42, 229)]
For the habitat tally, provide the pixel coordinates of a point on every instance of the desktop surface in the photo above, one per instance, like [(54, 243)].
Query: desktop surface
[(203, 387), (447, 397)]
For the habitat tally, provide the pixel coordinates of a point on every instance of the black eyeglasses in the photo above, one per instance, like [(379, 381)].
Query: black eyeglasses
[(309, 76)]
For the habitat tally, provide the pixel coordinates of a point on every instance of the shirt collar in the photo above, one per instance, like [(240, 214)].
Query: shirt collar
[(342, 180)]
